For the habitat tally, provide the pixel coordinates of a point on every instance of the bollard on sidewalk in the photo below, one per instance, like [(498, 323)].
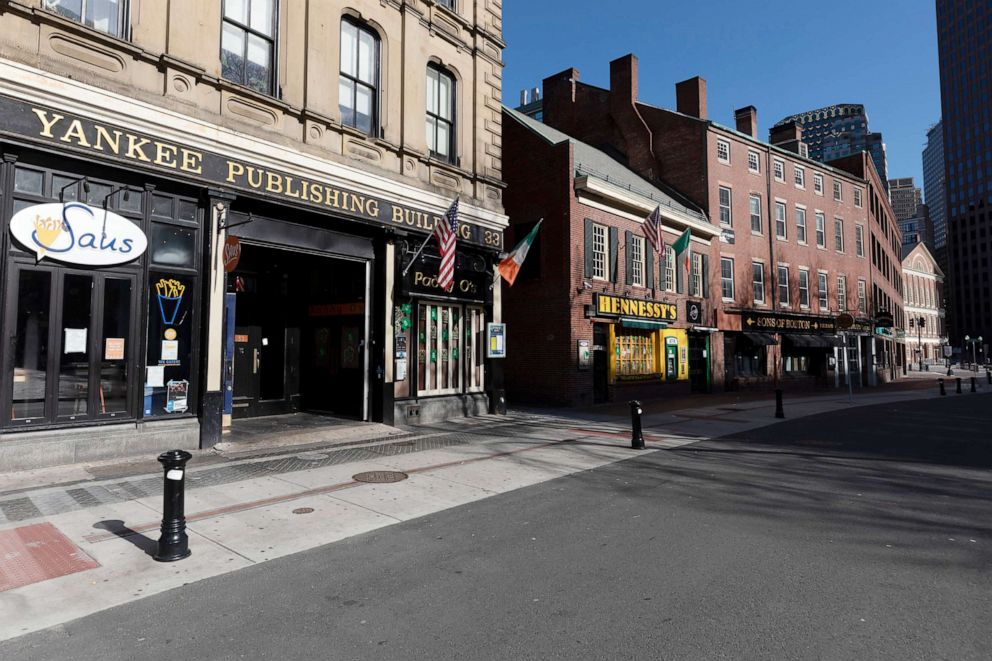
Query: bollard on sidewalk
[(974, 382), (637, 437), (958, 391), (779, 411), (940, 382), (988, 375), (174, 544)]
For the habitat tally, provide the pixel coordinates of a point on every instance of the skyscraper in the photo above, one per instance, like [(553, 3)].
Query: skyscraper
[(905, 197), (838, 131), (933, 186), (965, 54)]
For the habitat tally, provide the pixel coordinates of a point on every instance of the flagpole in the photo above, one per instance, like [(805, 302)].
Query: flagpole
[(417, 254)]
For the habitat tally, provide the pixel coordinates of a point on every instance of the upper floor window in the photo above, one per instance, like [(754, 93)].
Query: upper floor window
[(669, 268), (800, 177), (838, 235), (358, 88), (723, 151), (780, 230), (859, 240), (637, 260), (838, 191), (104, 15), (783, 286), (857, 197), (450, 4), (727, 278), (696, 277), (247, 44), (803, 288), (821, 235), (800, 225), (725, 213), (841, 293), (779, 168), (823, 291), (754, 201), (600, 253), (753, 164), (758, 282), (818, 183), (440, 113)]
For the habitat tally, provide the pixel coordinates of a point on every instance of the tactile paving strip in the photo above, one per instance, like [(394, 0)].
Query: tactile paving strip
[(39, 552)]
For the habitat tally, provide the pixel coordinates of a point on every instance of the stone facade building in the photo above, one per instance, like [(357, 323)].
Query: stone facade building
[(282, 161), (923, 289)]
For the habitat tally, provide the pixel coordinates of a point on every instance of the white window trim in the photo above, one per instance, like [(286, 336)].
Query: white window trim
[(799, 176), (764, 299), (859, 198), (859, 251), (757, 232), (823, 293), (805, 225), (841, 290), (843, 244), (799, 285), (733, 284), (637, 260), (730, 205), (787, 303), (838, 191), (818, 179), (757, 161), (823, 217), (605, 251), (776, 165), (785, 218), (722, 143)]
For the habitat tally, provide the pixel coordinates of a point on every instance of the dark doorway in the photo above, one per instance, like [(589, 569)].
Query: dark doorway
[(699, 362), (299, 341), (600, 363)]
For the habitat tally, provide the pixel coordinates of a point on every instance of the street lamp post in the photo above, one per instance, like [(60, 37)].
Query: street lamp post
[(973, 342), (919, 322)]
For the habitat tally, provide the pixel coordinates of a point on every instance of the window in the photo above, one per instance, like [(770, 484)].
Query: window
[(862, 296), (753, 164), (758, 282), (440, 113), (696, 277), (803, 288), (821, 289), (857, 197), (358, 87), (800, 225), (818, 183), (723, 151), (754, 201), (821, 232), (450, 4), (780, 229), (669, 268), (859, 240), (779, 168), (637, 260), (838, 235), (800, 177), (725, 213), (838, 191), (635, 353), (841, 293), (247, 44), (104, 15), (783, 286), (450, 350), (600, 254), (727, 278)]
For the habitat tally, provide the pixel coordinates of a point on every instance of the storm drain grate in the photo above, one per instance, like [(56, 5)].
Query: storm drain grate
[(380, 477)]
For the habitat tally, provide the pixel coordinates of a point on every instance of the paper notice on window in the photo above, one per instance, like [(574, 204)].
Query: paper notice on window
[(113, 348), (400, 370), (75, 340), (156, 376), (170, 350)]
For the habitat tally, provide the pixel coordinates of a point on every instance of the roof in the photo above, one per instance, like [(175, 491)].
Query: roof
[(597, 163)]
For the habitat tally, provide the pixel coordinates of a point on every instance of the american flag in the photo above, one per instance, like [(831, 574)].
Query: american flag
[(446, 231), (652, 231)]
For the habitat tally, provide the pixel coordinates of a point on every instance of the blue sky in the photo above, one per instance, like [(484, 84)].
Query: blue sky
[(781, 56)]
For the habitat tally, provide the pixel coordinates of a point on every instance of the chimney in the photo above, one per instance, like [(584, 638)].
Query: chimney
[(523, 97), (535, 94), (558, 99), (788, 136), (690, 97), (623, 79), (747, 120)]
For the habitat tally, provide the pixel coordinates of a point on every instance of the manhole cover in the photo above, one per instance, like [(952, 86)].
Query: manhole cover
[(303, 510), (380, 477)]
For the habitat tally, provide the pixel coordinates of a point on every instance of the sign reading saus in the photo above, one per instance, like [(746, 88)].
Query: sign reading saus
[(64, 129), (772, 322), (77, 233), (619, 306)]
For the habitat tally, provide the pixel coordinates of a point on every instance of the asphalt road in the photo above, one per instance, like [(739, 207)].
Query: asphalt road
[(860, 535)]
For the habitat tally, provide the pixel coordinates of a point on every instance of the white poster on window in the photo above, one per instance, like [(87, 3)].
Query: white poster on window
[(156, 376), (75, 340), (170, 351)]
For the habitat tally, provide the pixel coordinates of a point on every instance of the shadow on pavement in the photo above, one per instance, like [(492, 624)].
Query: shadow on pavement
[(115, 526)]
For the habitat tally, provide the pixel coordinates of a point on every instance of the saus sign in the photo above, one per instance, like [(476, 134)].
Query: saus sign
[(619, 306), (65, 130)]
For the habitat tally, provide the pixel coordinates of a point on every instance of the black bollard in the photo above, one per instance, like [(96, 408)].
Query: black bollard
[(940, 382), (174, 544), (637, 437), (974, 382), (779, 411), (958, 391), (988, 375)]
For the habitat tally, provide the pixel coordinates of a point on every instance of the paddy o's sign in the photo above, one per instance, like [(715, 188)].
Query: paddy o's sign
[(76, 233)]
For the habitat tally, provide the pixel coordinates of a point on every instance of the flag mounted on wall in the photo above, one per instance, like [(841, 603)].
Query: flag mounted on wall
[(510, 267), (681, 245), (652, 231), (446, 231)]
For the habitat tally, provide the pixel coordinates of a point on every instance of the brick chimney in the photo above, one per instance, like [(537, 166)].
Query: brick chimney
[(747, 120), (786, 133), (690, 97), (558, 99), (627, 118), (623, 79)]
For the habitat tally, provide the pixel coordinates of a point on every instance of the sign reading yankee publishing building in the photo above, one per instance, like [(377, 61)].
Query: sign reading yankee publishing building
[(64, 130), (772, 322), (620, 306)]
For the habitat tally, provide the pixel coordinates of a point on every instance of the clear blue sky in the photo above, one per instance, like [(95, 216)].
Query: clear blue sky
[(781, 56)]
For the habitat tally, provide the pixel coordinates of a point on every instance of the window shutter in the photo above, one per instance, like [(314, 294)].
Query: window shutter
[(628, 252), (614, 249), (588, 253), (705, 275), (648, 265), (679, 274)]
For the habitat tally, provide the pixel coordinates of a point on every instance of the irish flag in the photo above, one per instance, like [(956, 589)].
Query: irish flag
[(682, 246), (510, 267)]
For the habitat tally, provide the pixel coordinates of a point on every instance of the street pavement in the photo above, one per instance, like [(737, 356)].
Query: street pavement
[(842, 532)]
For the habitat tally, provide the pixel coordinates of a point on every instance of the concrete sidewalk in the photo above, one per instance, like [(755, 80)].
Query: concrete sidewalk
[(73, 547)]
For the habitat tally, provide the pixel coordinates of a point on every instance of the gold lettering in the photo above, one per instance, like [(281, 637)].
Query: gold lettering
[(332, 197), (357, 203), (135, 147), (46, 126), (75, 130), (254, 182), (398, 215), (103, 135), (290, 191), (192, 161), (464, 231), (273, 179), (317, 194), (165, 154), (372, 206), (234, 169)]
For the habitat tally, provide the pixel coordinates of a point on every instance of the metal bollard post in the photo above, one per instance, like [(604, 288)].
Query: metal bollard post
[(174, 544), (988, 375), (779, 411), (637, 437), (974, 381), (958, 391), (940, 382)]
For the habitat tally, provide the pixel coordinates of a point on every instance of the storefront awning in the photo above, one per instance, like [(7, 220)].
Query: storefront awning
[(761, 339), (814, 341), (642, 323)]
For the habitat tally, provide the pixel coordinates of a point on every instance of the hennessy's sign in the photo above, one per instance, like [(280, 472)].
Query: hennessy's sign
[(63, 130), (772, 322), (619, 306)]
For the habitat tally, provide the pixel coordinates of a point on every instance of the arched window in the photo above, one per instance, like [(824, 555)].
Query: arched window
[(440, 113), (358, 89)]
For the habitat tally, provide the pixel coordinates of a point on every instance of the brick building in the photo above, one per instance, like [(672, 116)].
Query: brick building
[(800, 241)]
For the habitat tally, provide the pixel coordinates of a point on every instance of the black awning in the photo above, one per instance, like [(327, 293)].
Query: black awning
[(761, 339), (802, 340)]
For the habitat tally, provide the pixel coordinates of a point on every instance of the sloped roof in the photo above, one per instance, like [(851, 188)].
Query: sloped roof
[(597, 163)]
